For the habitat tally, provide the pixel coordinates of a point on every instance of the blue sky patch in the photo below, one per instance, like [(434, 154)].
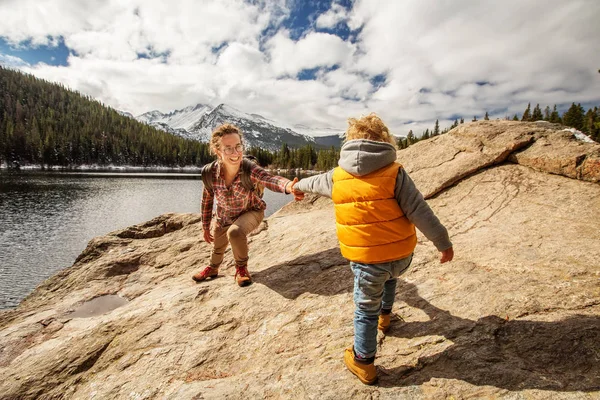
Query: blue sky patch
[(303, 16), (378, 81), (308, 74), (50, 55)]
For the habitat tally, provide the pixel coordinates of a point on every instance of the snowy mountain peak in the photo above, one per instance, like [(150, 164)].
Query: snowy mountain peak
[(197, 123), (150, 116)]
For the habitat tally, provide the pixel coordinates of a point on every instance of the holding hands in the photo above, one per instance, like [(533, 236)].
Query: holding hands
[(298, 195)]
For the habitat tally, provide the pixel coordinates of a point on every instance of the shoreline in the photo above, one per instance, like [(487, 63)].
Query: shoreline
[(132, 168)]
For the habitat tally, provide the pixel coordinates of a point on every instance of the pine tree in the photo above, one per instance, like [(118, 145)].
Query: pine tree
[(574, 117), (462, 121), (486, 117), (515, 118), (436, 128), (589, 121), (410, 138), (537, 114), (527, 113), (547, 113), (474, 118), (595, 128), (555, 117)]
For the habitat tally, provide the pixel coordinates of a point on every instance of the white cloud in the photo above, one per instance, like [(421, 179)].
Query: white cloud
[(525, 50), (439, 59), (330, 19), (12, 61), (314, 50)]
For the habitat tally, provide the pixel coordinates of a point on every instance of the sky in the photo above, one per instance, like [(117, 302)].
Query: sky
[(315, 63)]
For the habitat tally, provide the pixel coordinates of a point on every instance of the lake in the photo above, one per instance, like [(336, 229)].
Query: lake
[(47, 218)]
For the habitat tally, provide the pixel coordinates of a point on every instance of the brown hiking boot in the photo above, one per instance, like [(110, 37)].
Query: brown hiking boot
[(365, 371), (208, 272), (242, 277), (383, 324)]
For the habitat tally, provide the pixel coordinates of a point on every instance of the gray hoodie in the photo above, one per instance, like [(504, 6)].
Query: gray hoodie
[(361, 157)]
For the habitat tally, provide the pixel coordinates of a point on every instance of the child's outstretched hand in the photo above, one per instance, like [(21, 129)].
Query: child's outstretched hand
[(447, 255), (298, 195)]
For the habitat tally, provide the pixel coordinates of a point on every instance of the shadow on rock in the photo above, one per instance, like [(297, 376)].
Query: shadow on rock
[(324, 273), (515, 355)]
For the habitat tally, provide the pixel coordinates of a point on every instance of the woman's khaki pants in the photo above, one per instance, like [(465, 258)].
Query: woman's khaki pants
[(237, 235)]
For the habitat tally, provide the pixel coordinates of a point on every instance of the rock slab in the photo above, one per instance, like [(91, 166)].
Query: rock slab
[(516, 315)]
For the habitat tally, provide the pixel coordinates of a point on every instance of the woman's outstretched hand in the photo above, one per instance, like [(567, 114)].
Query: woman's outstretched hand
[(298, 195), (208, 238)]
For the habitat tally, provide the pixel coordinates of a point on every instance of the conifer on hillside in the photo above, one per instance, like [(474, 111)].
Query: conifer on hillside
[(44, 123)]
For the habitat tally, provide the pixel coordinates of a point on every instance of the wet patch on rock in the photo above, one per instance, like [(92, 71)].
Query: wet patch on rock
[(98, 306)]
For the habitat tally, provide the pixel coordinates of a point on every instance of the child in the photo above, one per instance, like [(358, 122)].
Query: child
[(239, 209), (376, 209)]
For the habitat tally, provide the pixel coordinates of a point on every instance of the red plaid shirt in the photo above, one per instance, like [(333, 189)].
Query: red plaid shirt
[(235, 200)]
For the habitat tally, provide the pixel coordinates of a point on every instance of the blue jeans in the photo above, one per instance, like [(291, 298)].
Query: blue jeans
[(374, 289)]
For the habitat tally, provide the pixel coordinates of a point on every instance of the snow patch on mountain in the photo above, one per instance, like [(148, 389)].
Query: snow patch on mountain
[(178, 119)]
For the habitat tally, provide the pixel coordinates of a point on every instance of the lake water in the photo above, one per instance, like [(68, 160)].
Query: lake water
[(47, 219)]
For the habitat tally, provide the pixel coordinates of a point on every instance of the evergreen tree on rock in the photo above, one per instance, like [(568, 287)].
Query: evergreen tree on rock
[(574, 117), (555, 116), (527, 113), (537, 114)]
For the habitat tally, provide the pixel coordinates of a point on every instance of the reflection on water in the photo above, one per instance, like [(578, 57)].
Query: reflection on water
[(47, 219)]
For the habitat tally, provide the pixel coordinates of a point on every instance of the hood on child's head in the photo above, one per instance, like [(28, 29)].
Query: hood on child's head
[(361, 156)]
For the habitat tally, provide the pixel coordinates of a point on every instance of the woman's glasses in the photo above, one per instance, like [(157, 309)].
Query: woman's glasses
[(230, 150)]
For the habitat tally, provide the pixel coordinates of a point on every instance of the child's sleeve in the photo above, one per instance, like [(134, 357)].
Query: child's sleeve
[(320, 184), (418, 212)]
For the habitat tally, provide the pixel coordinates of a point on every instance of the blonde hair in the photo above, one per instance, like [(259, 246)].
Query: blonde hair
[(370, 127), (219, 132)]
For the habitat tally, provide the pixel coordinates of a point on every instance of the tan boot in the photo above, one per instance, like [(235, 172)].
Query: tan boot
[(384, 323), (365, 372), (242, 276), (208, 272)]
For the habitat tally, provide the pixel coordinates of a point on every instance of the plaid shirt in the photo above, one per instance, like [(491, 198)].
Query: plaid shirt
[(235, 200)]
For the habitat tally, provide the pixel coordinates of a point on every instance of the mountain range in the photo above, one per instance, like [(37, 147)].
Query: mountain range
[(197, 123)]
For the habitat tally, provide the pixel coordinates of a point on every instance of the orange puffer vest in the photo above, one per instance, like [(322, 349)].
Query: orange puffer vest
[(371, 227)]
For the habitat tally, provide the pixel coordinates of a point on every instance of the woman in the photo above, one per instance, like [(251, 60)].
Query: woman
[(239, 210)]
